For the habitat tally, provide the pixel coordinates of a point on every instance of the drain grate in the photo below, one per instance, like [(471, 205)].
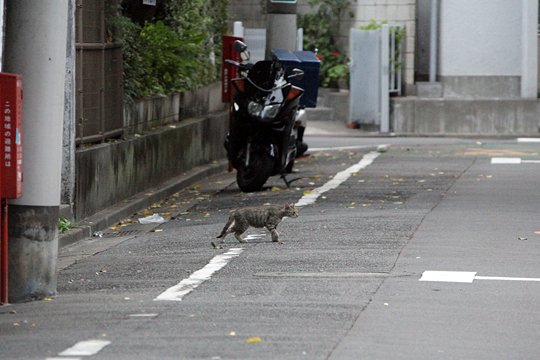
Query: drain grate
[(121, 233)]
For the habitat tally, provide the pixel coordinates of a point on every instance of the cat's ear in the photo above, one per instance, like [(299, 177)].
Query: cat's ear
[(288, 206)]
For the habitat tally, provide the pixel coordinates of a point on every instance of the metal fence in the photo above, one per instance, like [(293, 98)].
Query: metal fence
[(99, 103)]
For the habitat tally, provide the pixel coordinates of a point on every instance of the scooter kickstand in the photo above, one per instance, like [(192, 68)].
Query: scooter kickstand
[(288, 183)]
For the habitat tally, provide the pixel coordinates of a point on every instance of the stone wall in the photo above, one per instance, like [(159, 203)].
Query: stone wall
[(165, 143)]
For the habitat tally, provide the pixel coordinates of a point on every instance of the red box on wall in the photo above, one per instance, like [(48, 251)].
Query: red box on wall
[(11, 166), (228, 71)]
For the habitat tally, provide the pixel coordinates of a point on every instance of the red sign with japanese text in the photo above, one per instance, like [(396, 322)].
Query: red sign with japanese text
[(11, 168), (228, 71)]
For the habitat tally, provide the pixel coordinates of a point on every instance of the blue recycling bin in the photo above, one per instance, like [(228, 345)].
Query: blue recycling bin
[(308, 62)]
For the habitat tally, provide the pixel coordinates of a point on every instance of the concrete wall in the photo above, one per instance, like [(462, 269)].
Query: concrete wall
[(480, 48), (480, 38), (111, 172), (480, 117), (252, 13)]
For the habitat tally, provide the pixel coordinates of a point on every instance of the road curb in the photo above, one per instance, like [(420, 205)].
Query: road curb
[(128, 207)]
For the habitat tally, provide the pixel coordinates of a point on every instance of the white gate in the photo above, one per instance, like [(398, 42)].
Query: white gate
[(375, 73)]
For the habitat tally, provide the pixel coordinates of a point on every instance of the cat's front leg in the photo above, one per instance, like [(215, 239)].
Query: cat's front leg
[(275, 236)]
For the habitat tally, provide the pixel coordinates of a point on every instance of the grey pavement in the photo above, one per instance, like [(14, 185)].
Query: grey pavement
[(346, 283)]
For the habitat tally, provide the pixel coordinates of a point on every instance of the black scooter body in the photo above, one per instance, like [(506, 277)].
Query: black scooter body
[(261, 146)]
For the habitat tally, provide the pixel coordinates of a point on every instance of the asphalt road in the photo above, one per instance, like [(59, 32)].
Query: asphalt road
[(430, 251)]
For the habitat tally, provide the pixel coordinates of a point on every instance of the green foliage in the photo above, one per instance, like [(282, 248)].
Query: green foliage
[(64, 224), (321, 31), (175, 53), (170, 61)]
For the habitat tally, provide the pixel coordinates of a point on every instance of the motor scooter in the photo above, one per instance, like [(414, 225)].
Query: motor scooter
[(262, 138)]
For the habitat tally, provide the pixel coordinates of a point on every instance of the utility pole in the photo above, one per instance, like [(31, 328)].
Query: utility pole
[(36, 38), (281, 28)]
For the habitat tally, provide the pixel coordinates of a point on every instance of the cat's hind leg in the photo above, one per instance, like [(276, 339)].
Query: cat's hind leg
[(227, 229)]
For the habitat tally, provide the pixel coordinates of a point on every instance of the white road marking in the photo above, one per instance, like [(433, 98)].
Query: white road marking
[(85, 348), (528, 140), (505, 160), (145, 315), (466, 277), (255, 236), (512, 161), (449, 276), (502, 278), (341, 148), (63, 358), (338, 179), (184, 287)]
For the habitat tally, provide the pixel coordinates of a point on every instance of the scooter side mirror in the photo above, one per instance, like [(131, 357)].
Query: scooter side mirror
[(297, 74), (239, 46)]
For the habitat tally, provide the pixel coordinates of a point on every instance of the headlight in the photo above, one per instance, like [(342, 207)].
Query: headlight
[(270, 111), (254, 108)]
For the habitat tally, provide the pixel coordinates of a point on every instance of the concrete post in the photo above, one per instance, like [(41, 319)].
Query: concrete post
[(281, 28), (36, 38)]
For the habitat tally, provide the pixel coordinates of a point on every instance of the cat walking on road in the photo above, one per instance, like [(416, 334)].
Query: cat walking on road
[(258, 216)]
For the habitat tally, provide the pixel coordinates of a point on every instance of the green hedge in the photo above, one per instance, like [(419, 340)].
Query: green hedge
[(321, 32), (174, 52)]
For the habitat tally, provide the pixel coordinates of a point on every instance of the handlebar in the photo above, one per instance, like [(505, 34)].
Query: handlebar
[(242, 67)]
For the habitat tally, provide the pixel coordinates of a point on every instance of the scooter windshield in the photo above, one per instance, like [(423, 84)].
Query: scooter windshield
[(264, 74)]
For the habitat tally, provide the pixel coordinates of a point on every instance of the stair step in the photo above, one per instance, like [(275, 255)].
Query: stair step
[(320, 113)]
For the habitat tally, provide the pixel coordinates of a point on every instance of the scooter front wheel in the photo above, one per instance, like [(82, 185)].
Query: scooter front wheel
[(252, 177)]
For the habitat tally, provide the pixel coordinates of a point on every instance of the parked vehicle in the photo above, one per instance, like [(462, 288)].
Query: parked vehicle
[(262, 139)]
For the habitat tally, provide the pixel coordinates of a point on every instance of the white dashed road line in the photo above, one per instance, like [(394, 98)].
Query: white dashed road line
[(466, 277), (338, 179), (85, 348), (528, 140), (512, 161), (184, 287)]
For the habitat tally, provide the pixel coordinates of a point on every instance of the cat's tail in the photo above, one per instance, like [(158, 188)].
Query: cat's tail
[(225, 228)]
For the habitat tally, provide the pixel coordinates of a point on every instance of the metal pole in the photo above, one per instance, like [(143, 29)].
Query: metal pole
[(4, 251), (433, 41), (384, 79), (300, 39)]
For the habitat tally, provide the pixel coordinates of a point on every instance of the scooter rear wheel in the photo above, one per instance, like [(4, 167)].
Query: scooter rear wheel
[(253, 177)]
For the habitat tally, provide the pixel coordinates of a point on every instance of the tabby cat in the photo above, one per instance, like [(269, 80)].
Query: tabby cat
[(257, 216)]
